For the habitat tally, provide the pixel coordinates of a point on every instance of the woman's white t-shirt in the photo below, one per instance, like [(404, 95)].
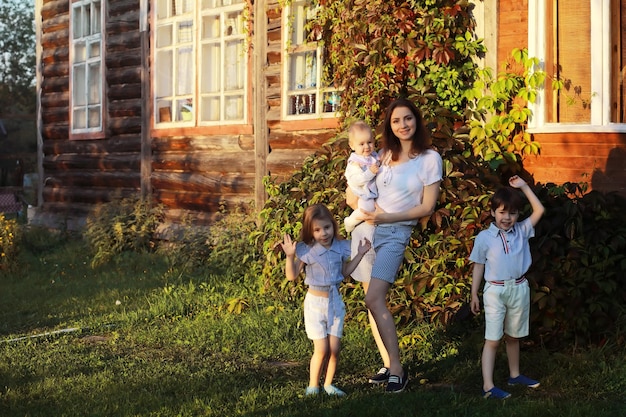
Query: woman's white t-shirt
[(401, 186)]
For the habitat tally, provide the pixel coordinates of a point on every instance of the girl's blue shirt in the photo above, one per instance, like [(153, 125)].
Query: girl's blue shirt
[(323, 267)]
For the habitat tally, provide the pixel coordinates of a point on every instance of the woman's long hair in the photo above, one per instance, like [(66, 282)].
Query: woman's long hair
[(390, 142), (316, 212)]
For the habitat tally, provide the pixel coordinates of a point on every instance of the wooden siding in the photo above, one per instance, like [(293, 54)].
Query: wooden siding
[(80, 173), (512, 28), (595, 158)]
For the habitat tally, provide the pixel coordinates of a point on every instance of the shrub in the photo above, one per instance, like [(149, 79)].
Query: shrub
[(579, 255), (123, 225), (9, 248)]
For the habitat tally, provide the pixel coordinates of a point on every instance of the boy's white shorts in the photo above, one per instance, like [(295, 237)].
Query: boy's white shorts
[(507, 309)]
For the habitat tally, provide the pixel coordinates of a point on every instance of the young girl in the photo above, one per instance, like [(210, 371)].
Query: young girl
[(324, 256)]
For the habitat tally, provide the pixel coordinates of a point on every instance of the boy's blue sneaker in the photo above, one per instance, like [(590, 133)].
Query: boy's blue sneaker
[(496, 394), (334, 391), (524, 380), (311, 391)]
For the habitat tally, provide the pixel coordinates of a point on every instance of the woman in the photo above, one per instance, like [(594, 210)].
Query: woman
[(408, 189)]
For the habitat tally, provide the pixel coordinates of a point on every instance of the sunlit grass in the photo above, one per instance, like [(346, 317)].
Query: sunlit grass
[(157, 342)]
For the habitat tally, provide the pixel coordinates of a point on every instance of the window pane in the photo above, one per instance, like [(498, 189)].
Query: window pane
[(164, 74), (94, 83), (211, 73), (210, 27), (185, 32), (164, 36), (164, 109), (184, 71), (79, 119), (94, 117), (211, 109), (234, 108), (234, 24), (80, 52), (94, 49), (77, 22), (618, 62), (234, 65), (570, 61), (163, 8), (96, 16), (79, 95)]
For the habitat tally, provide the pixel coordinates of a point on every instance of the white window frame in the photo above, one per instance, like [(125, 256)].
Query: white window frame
[(600, 79), (296, 100), (239, 95), (90, 87)]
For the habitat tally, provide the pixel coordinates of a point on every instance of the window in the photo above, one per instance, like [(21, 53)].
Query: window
[(304, 95), (200, 63), (87, 69), (582, 44)]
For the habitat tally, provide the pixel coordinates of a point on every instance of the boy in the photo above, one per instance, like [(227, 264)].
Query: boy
[(501, 256)]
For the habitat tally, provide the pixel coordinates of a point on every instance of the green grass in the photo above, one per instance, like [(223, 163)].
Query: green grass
[(157, 341)]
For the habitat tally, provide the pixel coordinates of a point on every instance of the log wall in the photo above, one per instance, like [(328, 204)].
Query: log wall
[(80, 173)]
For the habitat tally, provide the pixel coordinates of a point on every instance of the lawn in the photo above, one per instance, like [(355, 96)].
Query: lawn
[(149, 339)]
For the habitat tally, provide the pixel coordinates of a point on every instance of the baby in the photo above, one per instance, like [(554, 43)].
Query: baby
[(361, 170)]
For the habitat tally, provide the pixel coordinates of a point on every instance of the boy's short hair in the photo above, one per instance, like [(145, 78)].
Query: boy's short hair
[(508, 197), (358, 126)]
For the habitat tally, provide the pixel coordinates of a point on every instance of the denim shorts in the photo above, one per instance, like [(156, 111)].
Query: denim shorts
[(387, 253), (390, 243)]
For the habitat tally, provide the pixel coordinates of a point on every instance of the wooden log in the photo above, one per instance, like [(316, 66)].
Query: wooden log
[(124, 41), (123, 75), (121, 144), (201, 201), (193, 144), (53, 84), (56, 23), (106, 162), (125, 108), (281, 164), (127, 58), (86, 195), (58, 69), (55, 54), (57, 99), (300, 140), (56, 131), (226, 162), (55, 115), (204, 182), (120, 8), (52, 8), (121, 125), (124, 91), (56, 39), (124, 22), (94, 178)]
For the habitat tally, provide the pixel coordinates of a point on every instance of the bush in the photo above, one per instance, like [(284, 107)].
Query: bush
[(9, 248), (579, 255), (123, 225)]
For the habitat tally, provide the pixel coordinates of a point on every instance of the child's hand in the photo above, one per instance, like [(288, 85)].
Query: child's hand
[(364, 246), (288, 245), (374, 168), (475, 305), (516, 182)]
